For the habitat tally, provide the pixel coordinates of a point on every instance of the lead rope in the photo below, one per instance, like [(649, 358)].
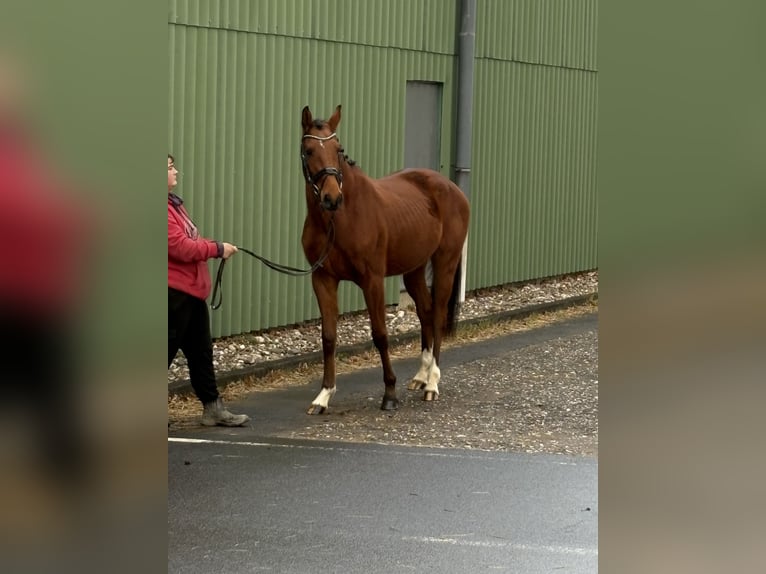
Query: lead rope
[(286, 269)]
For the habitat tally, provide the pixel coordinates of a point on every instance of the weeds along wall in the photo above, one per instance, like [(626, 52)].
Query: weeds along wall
[(241, 72)]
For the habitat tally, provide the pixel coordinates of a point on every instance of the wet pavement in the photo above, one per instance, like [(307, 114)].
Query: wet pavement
[(280, 497)]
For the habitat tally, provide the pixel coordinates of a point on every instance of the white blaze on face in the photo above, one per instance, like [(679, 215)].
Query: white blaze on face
[(323, 398)]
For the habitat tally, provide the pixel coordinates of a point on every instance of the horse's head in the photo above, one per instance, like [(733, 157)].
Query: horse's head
[(321, 157)]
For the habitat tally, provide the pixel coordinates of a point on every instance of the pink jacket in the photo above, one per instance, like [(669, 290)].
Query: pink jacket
[(188, 252)]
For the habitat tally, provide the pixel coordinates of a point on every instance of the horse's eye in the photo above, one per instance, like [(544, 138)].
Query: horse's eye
[(308, 152)]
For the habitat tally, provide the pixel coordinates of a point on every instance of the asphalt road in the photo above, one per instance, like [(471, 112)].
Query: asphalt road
[(245, 500)]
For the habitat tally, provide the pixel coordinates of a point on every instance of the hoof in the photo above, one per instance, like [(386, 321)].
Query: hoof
[(389, 404), (430, 396), (316, 410), (415, 385)]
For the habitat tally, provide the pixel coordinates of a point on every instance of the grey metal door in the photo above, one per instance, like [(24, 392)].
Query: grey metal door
[(422, 144)]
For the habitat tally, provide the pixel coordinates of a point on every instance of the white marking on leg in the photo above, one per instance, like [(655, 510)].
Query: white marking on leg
[(426, 360), (421, 377), (323, 398), (434, 376)]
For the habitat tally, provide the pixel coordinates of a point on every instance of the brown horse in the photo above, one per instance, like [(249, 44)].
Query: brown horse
[(381, 227)]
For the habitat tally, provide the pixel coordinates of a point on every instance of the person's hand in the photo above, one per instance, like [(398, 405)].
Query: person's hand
[(228, 250)]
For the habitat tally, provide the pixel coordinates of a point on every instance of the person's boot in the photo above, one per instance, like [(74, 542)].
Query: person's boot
[(214, 413)]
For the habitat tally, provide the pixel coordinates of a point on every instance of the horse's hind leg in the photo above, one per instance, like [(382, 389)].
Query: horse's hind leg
[(374, 297), (326, 291), (415, 283), (444, 274)]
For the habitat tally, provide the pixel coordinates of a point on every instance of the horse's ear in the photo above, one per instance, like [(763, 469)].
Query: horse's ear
[(306, 119), (334, 119)]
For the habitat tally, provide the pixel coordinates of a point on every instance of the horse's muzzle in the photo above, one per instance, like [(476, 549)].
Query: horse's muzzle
[(330, 204)]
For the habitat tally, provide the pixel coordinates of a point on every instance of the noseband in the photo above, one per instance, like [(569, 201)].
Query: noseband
[(320, 176)]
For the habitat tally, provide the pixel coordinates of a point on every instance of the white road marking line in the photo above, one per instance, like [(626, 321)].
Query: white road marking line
[(515, 546), (248, 443), (414, 452)]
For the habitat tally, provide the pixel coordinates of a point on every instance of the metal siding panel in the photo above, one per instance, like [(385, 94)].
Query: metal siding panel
[(378, 28), (526, 193), (245, 158), (205, 13), (546, 223), (234, 11), (270, 240), (321, 21), (286, 22), (413, 25), (537, 50), (549, 32), (238, 190), (184, 11), (175, 8), (254, 16), (290, 196), (226, 133), (533, 189), (399, 18), (430, 25)]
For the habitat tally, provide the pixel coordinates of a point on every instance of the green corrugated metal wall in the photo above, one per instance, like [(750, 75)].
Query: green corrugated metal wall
[(533, 189), (241, 72)]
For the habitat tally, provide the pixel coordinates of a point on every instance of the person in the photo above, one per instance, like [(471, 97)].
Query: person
[(188, 318)]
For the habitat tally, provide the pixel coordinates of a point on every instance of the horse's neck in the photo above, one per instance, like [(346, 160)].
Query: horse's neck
[(356, 182)]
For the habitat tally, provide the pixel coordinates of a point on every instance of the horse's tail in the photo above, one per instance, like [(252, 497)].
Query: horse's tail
[(453, 306)]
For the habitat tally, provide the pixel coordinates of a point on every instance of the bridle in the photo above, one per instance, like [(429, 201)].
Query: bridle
[(320, 176)]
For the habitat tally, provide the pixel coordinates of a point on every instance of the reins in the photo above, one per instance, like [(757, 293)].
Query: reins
[(286, 269)]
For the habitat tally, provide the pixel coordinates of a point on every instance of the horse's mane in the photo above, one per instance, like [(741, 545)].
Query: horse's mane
[(349, 161)]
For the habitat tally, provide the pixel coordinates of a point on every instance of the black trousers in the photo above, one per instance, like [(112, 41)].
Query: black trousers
[(189, 331)]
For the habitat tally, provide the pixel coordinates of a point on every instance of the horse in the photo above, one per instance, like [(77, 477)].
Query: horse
[(366, 229)]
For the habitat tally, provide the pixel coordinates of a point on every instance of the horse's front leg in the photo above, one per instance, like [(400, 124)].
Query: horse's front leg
[(374, 297), (326, 291)]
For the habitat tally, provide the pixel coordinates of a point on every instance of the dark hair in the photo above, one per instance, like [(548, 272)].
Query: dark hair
[(171, 158)]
